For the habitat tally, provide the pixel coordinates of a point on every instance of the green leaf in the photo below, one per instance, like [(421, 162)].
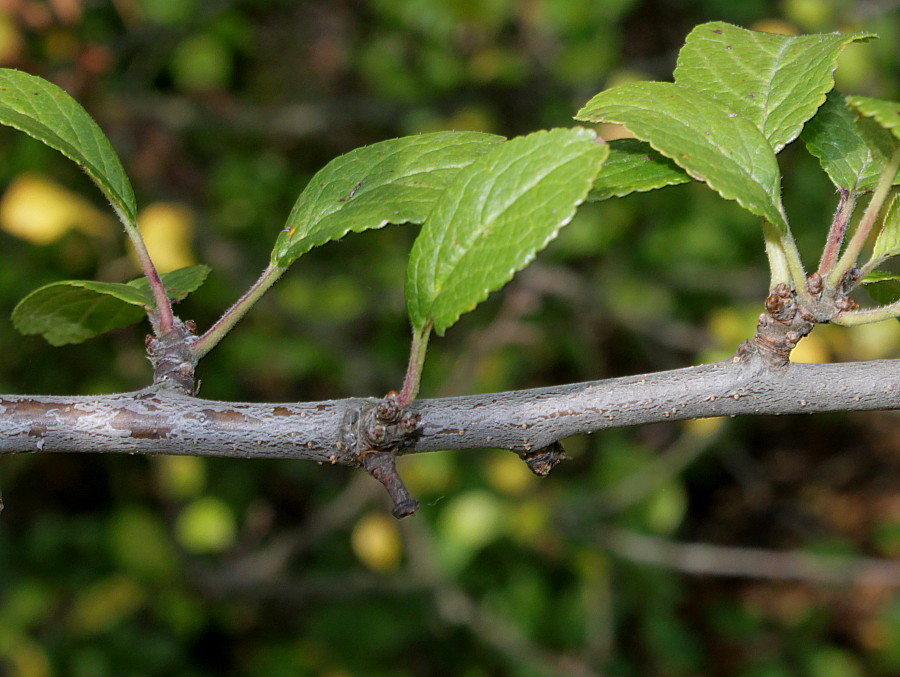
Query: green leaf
[(72, 311), (708, 140), (493, 219), (75, 310), (44, 111), (775, 81), (879, 276), (888, 242), (834, 137), (883, 288), (395, 181), (885, 113), (178, 283), (634, 167)]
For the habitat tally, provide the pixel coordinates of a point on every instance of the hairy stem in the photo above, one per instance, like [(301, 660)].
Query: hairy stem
[(163, 319), (842, 216), (864, 227), (784, 260), (413, 378), (778, 265), (853, 318), (232, 316)]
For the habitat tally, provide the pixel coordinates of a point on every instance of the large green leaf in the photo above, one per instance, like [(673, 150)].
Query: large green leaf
[(44, 111), (634, 167), (885, 113), (710, 141), (72, 311), (493, 219), (834, 137), (888, 242), (394, 181), (775, 81)]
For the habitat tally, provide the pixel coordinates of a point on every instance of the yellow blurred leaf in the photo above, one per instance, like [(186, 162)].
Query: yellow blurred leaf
[(10, 40), (812, 15), (876, 341), (528, 521), (181, 477), (811, 349), (777, 26), (432, 473), (732, 326), (206, 525), (472, 519), (103, 604), (666, 508), (25, 658), (140, 544), (610, 131), (167, 229), (376, 542), (507, 473), (40, 211), (704, 427)]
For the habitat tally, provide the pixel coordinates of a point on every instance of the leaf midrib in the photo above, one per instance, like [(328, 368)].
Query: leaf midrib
[(391, 182), (488, 225)]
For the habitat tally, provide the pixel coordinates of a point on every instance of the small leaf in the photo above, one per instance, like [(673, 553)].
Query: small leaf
[(879, 276), (885, 113), (76, 310), (178, 283), (711, 142), (395, 181), (775, 81), (72, 311), (634, 167), (44, 111), (888, 242), (833, 136), (883, 288), (493, 219)]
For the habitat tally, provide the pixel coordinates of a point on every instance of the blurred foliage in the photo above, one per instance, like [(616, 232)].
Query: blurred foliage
[(222, 110)]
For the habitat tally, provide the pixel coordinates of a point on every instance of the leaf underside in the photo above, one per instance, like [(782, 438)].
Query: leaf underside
[(72, 311), (888, 242), (833, 137), (885, 113), (776, 82), (883, 288), (709, 141), (44, 111), (634, 167), (395, 181), (493, 219)]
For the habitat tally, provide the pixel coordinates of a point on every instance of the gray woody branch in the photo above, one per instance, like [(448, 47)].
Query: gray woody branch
[(164, 421), (168, 419)]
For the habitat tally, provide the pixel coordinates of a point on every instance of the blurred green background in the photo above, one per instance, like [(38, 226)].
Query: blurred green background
[(221, 111)]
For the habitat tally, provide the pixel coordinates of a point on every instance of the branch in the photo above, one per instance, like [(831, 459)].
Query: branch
[(728, 561), (164, 421)]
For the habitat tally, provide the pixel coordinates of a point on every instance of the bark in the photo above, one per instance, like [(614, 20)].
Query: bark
[(167, 419), (164, 421)]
